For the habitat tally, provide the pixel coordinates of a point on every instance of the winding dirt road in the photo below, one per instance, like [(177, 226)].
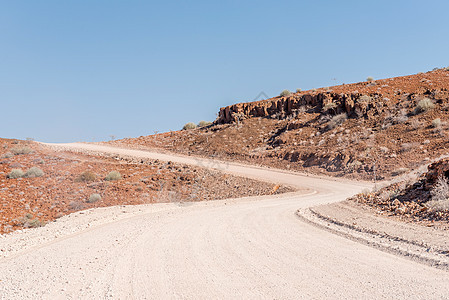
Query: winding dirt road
[(231, 249)]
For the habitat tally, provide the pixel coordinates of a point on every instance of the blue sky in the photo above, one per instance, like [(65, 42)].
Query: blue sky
[(84, 70)]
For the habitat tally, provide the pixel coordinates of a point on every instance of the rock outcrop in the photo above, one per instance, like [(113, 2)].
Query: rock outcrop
[(355, 104), (436, 170)]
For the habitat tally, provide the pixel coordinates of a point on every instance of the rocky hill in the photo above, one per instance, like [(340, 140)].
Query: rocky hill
[(379, 128)]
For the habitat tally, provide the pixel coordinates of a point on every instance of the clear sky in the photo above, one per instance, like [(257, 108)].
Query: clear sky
[(84, 70)]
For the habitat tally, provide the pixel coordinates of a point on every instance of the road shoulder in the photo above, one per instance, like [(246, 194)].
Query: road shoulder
[(428, 245)]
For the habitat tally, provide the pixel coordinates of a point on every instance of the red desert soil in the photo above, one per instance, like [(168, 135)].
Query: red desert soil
[(31, 202), (351, 130)]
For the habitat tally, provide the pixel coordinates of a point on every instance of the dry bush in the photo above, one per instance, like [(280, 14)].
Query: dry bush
[(285, 93), (94, 198), (113, 175), (405, 147), (330, 106), (16, 173), (424, 105), (298, 90), (86, 176), (204, 123), (440, 196), (369, 79), (436, 123), (336, 121), (399, 171), (76, 205), (8, 155), (33, 172), (21, 150), (189, 126)]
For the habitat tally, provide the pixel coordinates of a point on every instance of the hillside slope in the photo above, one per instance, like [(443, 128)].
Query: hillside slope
[(384, 127)]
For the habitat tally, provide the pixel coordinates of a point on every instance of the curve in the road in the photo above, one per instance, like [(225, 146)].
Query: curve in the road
[(219, 249)]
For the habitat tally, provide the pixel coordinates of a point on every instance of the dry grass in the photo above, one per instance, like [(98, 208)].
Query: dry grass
[(86, 177), (440, 196)]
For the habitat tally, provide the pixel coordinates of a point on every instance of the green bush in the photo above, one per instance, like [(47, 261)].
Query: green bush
[(113, 175), (424, 105), (16, 173), (189, 126), (33, 172), (94, 198), (204, 123), (21, 150), (86, 177), (285, 93)]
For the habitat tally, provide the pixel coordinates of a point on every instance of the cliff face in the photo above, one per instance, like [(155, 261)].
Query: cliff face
[(362, 99), (354, 104)]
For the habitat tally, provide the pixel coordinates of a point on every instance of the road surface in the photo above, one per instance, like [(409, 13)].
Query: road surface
[(229, 249)]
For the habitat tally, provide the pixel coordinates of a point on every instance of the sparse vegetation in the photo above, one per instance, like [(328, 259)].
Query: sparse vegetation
[(330, 106), (21, 150), (440, 196), (113, 175), (35, 223), (424, 105), (399, 171), (336, 121), (76, 205), (8, 155), (33, 172), (16, 173), (298, 90), (204, 123), (94, 198), (436, 123), (285, 93), (189, 126), (86, 176)]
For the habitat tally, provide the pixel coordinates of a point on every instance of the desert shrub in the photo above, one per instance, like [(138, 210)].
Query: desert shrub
[(86, 177), (399, 171), (16, 173), (405, 147), (330, 106), (440, 196), (336, 121), (33, 172), (424, 105), (7, 155), (364, 99), (34, 223), (204, 123), (298, 90), (189, 125), (76, 205), (436, 123), (369, 79), (94, 198), (21, 150), (113, 175), (285, 93)]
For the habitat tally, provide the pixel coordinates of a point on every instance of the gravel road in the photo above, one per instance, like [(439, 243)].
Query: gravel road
[(230, 249)]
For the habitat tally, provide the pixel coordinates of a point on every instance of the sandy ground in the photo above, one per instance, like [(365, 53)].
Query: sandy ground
[(237, 248)]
